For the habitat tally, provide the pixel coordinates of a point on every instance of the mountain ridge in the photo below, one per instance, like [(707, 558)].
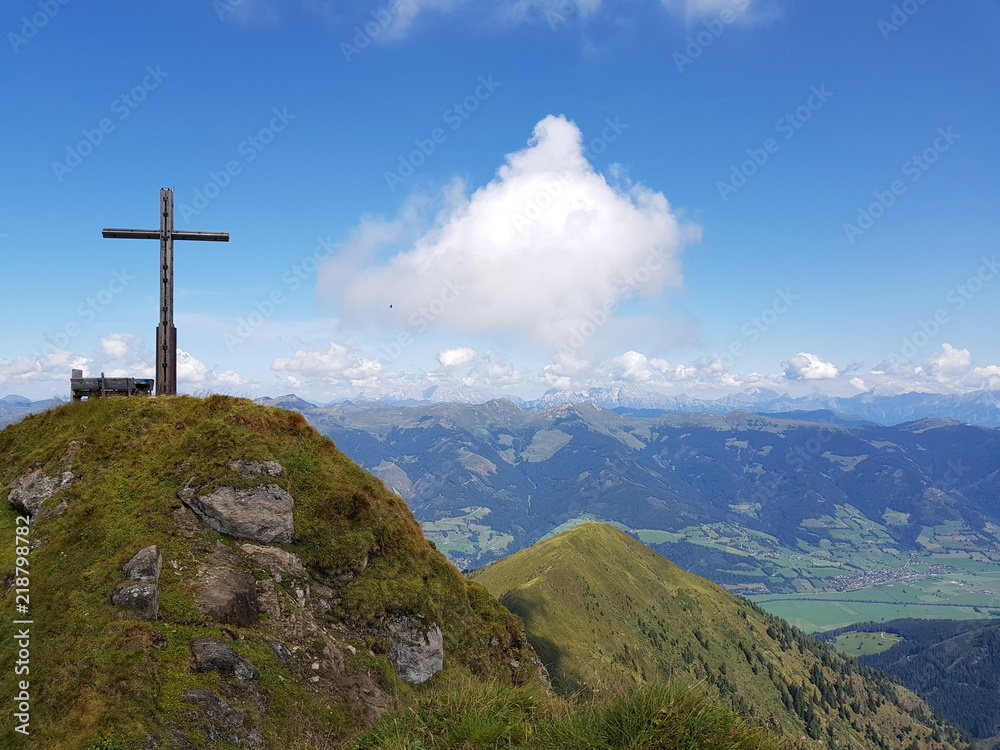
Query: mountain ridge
[(604, 610)]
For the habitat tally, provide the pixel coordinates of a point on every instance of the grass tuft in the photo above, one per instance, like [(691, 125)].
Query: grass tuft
[(471, 715)]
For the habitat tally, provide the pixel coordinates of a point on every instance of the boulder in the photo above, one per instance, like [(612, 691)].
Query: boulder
[(145, 565), (141, 598), (263, 514), (248, 469), (29, 491), (417, 651), (208, 655), (226, 595)]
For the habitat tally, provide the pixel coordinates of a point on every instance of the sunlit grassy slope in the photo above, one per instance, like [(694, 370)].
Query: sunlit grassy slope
[(604, 612)]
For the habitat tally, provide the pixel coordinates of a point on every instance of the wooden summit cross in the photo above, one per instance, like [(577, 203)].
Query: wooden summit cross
[(166, 334)]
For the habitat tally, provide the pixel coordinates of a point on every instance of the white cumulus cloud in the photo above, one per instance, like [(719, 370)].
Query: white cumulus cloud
[(949, 370), (805, 366), (118, 346), (457, 357), (539, 251), (337, 363), (638, 368), (54, 367)]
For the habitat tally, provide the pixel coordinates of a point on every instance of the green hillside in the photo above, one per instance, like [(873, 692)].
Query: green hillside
[(321, 606), (605, 613)]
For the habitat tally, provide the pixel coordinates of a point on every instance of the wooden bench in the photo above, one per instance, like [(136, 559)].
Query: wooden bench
[(87, 388)]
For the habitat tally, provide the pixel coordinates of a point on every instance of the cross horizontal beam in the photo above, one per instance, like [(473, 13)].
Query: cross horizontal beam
[(132, 234), (154, 234), (213, 236)]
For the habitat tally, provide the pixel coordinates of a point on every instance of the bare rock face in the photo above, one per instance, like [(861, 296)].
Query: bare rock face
[(263, 514), (226, 595), (208, 655), (274, 560), (141, 598), (145, 565), (248, 469), (417, 651), (29, 491)]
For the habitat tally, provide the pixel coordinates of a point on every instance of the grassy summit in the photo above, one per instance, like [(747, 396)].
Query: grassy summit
[(606, 613), (318, 618)]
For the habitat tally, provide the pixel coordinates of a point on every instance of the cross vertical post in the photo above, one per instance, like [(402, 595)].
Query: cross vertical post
[(166, 333)]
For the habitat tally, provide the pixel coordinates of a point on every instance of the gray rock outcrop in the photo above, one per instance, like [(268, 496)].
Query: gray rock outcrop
[(29, 491), (208, 655), (417, 651), (223, 592), (262, 514), (141, 598), (145, 565)]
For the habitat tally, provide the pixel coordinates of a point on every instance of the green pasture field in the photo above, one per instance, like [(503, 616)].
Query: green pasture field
[(812, 614), (862, 644)]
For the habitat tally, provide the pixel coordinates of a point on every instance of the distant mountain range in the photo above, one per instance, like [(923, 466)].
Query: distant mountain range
[(14, 408), (979, 407), (769, 504)]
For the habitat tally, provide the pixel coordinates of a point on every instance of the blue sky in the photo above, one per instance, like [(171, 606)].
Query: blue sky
[(692, 196)]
